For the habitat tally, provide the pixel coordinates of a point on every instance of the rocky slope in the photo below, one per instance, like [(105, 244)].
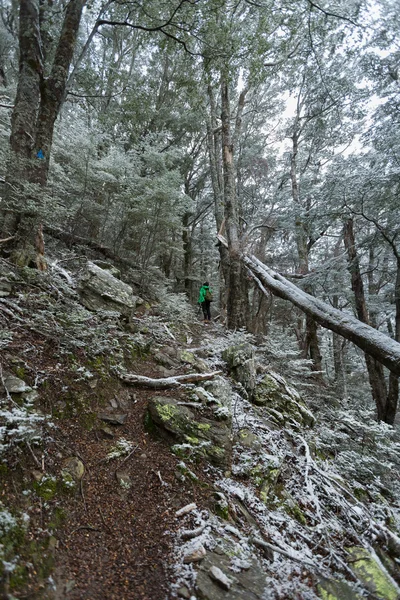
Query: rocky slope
[(248, 484)]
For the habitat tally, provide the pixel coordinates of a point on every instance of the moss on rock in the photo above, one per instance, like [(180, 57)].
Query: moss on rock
[(368, 570)]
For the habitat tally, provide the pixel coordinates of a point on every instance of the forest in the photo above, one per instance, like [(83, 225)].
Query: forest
[(147, 147)]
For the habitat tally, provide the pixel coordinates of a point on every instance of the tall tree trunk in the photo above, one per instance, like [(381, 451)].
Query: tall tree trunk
[(311, 344), (238, 303), (214, 153), (187, 253), (375, 368), (36, 108), (24, 115), (393, 392), (52, 89)]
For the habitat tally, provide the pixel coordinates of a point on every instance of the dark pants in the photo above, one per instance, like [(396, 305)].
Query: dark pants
[(206, 310)]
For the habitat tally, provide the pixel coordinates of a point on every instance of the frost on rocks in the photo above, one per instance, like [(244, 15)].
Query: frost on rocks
[(297, 510), (217, 575), (18, 424)]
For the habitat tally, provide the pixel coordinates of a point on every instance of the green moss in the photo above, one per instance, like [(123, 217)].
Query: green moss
[(331, 589), (19, 372), (192, 440), (203, 426), (88, 420), (179, 450), (149, 425), (371, 574), (166, 411), (139, 351), (360, 493), (58, 518), (101, 365), (216, 452), (182, 468), (19, 577), (297, 513), (68, 483), (46, 488)]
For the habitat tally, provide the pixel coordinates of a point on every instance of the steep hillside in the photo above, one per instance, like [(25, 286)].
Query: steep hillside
[(250, 480)]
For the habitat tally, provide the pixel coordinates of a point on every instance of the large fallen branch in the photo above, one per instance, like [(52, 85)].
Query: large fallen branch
[(166, 382), (377, 344)]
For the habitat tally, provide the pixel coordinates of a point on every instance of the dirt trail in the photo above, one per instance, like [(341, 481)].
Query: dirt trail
[(116, 543)]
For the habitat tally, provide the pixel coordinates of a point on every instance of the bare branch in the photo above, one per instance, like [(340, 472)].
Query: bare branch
[(330, 14), (166, 382)]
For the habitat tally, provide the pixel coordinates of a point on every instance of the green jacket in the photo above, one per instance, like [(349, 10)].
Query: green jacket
[(202, 294)]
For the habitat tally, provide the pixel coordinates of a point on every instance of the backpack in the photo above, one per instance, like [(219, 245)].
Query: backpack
[(208, 295)]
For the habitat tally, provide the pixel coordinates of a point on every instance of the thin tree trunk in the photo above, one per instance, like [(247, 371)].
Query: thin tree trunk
[(375, 368), (187, 254), (311, 345), (393, 392)]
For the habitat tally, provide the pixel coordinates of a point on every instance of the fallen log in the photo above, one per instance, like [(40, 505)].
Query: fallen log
[(370, 340), (166, 382)]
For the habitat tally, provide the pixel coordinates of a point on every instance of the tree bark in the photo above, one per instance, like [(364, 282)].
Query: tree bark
[(377, 344), (310, 344), (237, 297), (393, 392), (53, 88), (375, 369), (36, 108), (214, 153), (24, 115), (167, 382)]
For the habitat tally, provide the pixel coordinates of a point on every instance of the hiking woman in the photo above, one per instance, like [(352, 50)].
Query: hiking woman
[(205, 299)]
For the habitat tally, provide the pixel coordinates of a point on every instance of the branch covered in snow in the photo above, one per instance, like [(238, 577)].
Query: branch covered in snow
[(166, 382), (373, 342)]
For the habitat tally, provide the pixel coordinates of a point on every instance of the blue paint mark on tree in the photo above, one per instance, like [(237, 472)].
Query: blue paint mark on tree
[(40, 154)]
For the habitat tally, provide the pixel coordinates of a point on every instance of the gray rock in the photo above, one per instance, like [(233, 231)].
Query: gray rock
[(198, 436), (74, 467), (368, 570), (113, 419), (108, 267), (221, 389), (37, 475), (100, 290), (336, 590), (30, 396), (165, 360), (183, 592), (123, 479), (15, 385), (281, 401), (247, 439), (107, 431), (5, 287), (195, 555), (219, 577), (241, 365), (248, 584)]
